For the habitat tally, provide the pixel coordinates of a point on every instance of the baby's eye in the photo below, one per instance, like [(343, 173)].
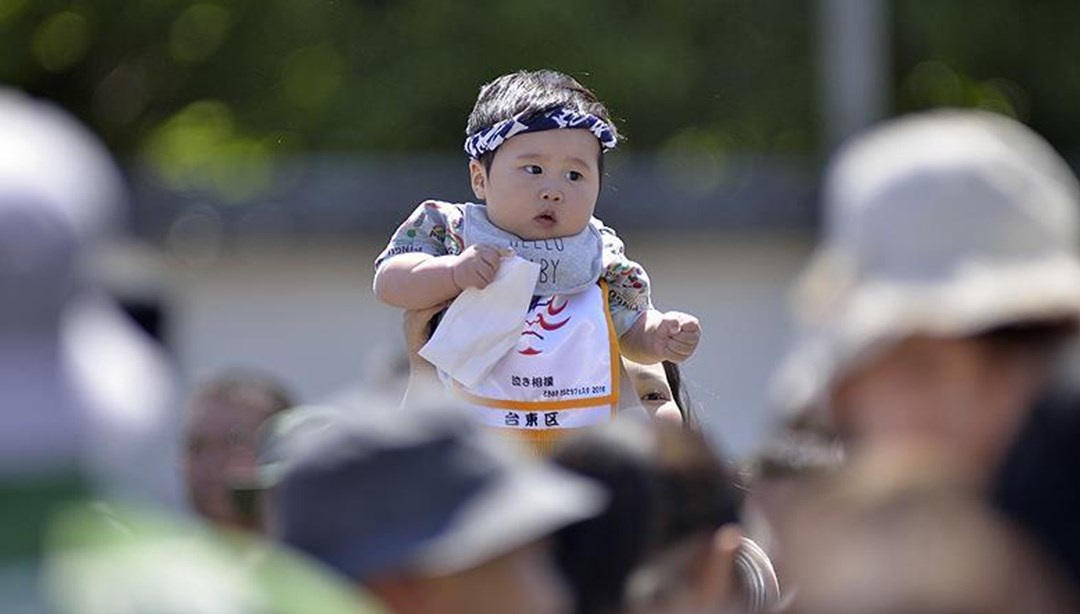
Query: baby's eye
[(533, 169), (574, 176), (653, 396)]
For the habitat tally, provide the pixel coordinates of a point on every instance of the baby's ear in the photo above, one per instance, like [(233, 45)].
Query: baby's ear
[(478, 179)]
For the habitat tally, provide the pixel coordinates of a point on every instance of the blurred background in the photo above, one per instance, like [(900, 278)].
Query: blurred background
[(273, 146)]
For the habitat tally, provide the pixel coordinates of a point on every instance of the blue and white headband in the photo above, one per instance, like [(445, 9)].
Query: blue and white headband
[(490, 139)]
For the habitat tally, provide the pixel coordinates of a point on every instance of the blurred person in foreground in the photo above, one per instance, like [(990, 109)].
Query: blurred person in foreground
[(88, 474), (791, 462), (84, 391), (671, 541), (220, 454), (898, 532), (1037, 485), (86, 396), (277, 441), (936, 312), (430, 513), (946, 286)]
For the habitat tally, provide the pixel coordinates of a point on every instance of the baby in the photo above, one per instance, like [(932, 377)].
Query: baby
[(536, 142)]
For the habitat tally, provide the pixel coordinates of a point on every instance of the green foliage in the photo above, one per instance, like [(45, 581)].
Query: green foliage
[(402, 75), (209, 92), (1016, 57)]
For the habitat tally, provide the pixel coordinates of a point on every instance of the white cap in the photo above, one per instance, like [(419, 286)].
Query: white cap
[(82, 389), (942, 223)]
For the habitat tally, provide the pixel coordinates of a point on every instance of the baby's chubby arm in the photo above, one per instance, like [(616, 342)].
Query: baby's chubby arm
[(419, 281), (657, 336)]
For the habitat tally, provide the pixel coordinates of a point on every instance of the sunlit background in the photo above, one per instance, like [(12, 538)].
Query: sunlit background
[(273, 146)]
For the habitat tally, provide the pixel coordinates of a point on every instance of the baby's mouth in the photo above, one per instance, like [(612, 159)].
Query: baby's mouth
[(546, 218)]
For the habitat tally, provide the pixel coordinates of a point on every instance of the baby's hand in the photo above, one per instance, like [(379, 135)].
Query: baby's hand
[(676, 336), (476, 266)]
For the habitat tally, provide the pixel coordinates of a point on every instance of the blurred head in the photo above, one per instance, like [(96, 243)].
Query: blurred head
[(524, 577), (224, 416), (277, 441), (793, 459), (796, 451), (83, 392), (431, 513), (968, 395), (541, 182), (50, 213), (943, 229), (670, 540)]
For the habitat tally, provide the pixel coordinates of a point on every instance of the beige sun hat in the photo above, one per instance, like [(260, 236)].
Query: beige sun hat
[(944, 223)]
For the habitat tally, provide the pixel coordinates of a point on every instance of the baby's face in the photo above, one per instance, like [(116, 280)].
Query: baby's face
[(541, 185)]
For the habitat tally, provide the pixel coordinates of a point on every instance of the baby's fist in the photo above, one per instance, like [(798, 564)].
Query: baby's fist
[(476, 266), (680, 334)]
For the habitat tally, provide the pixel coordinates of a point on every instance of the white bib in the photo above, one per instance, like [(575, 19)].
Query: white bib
[(563, 374)]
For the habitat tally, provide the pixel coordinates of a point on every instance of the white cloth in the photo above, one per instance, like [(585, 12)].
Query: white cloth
[(561, 375), (481, 326)]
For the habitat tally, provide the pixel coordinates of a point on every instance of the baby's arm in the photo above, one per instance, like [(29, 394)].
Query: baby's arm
[(418, 280), (657, 336), (650, 336)]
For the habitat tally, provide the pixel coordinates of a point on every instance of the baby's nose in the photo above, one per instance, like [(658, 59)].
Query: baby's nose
[(552, 195)]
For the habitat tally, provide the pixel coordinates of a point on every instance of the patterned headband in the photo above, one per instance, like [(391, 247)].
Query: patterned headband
[(490, 139)]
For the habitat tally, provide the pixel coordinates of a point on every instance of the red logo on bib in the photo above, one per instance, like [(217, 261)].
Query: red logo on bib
[(542, 316)]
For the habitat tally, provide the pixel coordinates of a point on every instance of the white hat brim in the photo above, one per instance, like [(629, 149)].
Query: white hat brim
[(846, 323)]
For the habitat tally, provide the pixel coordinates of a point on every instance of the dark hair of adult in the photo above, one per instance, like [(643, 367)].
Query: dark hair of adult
[(666, 485), (1038, 336), (531, 92), (248, 386), (798, 449), (679, 394)]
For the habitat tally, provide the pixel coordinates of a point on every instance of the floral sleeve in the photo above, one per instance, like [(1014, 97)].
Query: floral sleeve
[(432, 228), (628, 283)]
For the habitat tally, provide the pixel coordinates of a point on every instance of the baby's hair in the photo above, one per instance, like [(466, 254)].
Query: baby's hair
[(531, 92)]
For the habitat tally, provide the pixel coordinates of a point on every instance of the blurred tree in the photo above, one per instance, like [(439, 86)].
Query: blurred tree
[(1016, 57), (376, 75), (265, 76), (210, 91)]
